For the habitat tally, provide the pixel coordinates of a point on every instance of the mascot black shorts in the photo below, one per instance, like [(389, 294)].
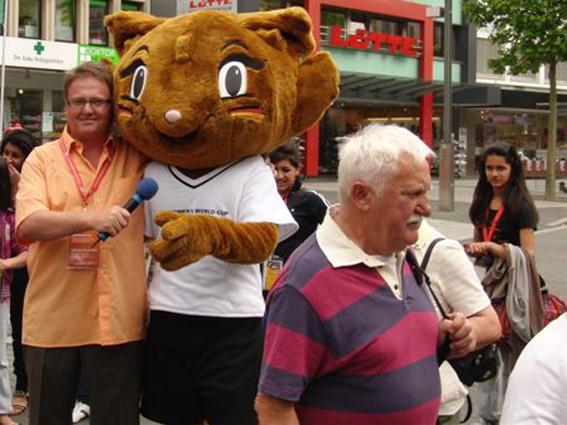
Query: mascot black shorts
[(201, 368)]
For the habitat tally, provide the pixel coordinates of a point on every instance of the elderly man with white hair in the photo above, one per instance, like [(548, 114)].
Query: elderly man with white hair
[(351, 337)]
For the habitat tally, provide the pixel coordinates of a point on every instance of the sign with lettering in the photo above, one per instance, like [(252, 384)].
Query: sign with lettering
[(184, 6), (97, 53), (40, 54), (362, 39)]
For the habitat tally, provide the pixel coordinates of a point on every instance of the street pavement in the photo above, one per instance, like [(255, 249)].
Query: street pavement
[(551, 240)]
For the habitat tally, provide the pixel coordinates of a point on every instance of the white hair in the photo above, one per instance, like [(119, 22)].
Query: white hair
[(373, 154)]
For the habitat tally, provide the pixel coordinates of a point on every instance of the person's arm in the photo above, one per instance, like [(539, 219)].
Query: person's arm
[(48, 225), (486, 326), (459, 330), (16, 262), (455, 281), (527, 240), (275, 411), (477, 249)]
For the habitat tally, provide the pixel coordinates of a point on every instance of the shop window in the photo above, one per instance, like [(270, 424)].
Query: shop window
[(330, 18), (271, 4), (65, 19), (29, 18), (439, 41), (97, 33), (385, 26), (412, 30), (358, 21), (280, 4), (131, 6), (26, 109)]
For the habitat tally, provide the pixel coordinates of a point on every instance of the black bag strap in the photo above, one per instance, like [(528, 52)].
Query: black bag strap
[(420, 277), (428, 252)]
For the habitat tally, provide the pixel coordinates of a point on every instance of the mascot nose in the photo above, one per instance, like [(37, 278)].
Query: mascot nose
[(172, 116), (179, 121)]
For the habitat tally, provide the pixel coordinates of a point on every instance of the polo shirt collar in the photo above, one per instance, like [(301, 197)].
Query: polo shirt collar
[(425, 234), (69, 142), (341, 251)]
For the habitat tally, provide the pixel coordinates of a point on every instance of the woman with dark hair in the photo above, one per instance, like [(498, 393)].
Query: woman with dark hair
[(16, 145), (11, 257), (502, 210), (307, 207), (505, 219)]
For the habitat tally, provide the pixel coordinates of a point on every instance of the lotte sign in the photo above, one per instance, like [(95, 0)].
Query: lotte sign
[(363, 39), (195, 5)]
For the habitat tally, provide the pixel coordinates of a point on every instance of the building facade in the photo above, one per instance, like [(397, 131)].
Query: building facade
[(390, 56), (523, 114), (44, 38)]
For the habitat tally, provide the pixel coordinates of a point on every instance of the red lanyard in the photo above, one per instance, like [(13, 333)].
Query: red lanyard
[(489, 233), (83, 191)]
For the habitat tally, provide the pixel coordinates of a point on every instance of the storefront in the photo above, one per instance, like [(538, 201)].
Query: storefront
[(34, 82), (33, 86)]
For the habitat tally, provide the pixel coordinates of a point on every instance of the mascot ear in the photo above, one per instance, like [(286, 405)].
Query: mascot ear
[(127, 27), (292, 25), (317, 88)]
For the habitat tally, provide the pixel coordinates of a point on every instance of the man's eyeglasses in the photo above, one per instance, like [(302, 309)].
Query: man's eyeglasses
[(95, 103)]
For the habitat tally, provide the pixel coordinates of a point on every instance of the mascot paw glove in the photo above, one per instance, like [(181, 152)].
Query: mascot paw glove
[(188, 238)]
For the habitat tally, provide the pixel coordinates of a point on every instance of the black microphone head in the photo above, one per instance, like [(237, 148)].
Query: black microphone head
[(147, 188)]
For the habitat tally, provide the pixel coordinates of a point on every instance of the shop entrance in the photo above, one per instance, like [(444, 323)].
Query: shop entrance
[(344, 119)]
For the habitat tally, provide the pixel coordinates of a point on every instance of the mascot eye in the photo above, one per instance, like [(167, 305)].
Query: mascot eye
[(138, 82), (233, 79)]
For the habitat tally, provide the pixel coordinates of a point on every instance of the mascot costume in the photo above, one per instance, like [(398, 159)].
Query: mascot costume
[(203, 95)]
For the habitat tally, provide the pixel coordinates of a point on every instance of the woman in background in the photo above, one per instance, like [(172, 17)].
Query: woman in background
[(307, 207), (11, 257), (505, 219), (502, 210), (16, 145)]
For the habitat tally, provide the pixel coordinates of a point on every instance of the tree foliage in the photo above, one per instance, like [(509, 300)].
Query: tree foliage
[(528, 32)]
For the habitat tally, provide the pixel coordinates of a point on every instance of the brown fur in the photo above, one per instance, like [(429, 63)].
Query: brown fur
[(288, 90)]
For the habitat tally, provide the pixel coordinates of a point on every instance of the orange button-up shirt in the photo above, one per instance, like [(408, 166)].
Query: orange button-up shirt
[(65, 307)]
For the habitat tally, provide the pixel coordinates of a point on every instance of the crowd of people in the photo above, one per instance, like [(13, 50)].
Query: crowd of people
[(350, 332)]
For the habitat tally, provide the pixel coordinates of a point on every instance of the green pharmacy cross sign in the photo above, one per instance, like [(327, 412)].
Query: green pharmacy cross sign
[(38, 47)]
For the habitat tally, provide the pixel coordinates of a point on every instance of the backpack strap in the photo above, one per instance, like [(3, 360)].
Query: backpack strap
[(425, 260)]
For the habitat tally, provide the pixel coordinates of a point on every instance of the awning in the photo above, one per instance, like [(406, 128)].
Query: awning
[(375, 89)]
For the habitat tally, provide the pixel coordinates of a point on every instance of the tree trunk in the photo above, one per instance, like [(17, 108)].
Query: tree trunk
[(551, 133)]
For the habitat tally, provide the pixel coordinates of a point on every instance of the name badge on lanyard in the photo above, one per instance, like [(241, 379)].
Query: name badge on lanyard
[(84, 251)]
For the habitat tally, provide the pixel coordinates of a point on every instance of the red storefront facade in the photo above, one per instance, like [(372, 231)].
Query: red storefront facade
[(392, 8)]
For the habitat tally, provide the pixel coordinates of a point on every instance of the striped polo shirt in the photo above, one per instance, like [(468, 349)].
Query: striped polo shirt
[(342, 347)]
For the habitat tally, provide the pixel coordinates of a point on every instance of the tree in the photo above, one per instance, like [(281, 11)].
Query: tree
[(529, 33)]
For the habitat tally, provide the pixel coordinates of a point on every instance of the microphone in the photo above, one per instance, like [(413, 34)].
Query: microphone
[(146, 189)]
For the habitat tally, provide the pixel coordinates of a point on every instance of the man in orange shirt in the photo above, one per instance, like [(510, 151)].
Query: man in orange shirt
[(85, 305)]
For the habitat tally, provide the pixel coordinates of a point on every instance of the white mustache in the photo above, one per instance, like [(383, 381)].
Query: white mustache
[(415, 219)]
